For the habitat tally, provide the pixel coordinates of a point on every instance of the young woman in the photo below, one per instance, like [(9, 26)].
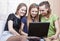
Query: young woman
[(45, 10), (33, 14), (11, 31)]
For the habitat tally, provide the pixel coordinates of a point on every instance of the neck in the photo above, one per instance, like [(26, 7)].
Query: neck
[(32, 18), (47, 16), (17, 16)]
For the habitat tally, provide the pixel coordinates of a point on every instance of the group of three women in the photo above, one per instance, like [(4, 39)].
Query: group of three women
[(17, 25)]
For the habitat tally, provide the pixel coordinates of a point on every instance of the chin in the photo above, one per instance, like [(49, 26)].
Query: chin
[(43, 14), (22, 15)]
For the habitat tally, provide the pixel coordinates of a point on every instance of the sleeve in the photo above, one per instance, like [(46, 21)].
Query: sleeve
[(10, 17), (55, 17), (24, 20)]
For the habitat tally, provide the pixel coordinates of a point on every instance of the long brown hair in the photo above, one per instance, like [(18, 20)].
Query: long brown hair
[(19, 6), (29, 19)]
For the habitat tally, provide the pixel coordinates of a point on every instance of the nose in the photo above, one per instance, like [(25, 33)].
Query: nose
[(23, 12), (34, 12), (41, 12)]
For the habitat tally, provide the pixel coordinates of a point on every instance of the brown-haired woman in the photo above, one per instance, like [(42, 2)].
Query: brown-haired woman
[(53, 19), (11, 31)]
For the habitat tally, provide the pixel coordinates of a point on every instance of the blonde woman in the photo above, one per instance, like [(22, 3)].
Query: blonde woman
[(33, 14)]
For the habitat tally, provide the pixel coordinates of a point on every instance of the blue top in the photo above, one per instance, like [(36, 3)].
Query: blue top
[(24, 20)]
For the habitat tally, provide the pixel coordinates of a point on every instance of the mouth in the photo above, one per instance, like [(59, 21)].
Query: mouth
[(22, 13)]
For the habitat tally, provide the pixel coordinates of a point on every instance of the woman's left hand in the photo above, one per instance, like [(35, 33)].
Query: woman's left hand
[(54, 37)]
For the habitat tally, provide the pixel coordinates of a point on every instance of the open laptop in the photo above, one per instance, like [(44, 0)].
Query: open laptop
[(38, 29)]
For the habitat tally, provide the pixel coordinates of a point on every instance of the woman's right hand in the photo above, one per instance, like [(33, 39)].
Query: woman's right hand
[(24, 34)]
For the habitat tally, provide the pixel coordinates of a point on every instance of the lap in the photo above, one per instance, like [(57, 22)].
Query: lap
[(17, 38), (5, 35), (48, 39)]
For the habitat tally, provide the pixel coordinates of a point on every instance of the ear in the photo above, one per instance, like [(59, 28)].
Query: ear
[(48, 10)]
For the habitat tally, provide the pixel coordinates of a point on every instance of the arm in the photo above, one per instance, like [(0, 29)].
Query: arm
[(11, 29), (57, 27), (21, 29), (57, 30)]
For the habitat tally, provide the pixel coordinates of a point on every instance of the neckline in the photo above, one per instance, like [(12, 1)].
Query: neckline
[(49, 17), (16, 16)]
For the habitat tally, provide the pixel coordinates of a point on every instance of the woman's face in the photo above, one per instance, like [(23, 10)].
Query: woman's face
[(43, 10), (34, 12), (22, 11)]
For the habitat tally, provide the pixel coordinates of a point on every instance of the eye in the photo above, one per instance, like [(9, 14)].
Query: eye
[(23, 10), (32, 11), (36, 11), (41, 10)]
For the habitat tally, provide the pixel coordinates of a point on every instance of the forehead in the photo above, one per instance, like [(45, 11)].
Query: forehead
[(23, 7), (34, 9), (42, 7)]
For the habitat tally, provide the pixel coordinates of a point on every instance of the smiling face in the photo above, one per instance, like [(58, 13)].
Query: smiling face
[(43, 10), (22, 11), (34, 12)]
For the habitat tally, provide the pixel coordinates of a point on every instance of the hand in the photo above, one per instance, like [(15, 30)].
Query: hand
[(23, 33), (54, 37), (34, 37)]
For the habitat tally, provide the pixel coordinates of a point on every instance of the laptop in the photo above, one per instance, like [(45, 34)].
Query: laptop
[(39, 29)]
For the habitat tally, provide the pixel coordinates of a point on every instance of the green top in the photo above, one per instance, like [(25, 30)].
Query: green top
[(51, 19)]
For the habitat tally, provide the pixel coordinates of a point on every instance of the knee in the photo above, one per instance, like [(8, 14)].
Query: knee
[(56, 40), (47, 39)]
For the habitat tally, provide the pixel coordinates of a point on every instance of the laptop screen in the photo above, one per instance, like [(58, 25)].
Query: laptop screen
[(38, 29)]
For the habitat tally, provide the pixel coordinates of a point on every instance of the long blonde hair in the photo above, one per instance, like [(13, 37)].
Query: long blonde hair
[(29, 19)]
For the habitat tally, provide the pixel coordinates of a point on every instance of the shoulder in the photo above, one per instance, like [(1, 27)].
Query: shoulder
[(12, 14), (10, 17), (54, 16), (24, 18)]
